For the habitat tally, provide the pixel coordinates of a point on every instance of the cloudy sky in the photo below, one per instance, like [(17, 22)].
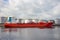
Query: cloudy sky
[(40, 9)]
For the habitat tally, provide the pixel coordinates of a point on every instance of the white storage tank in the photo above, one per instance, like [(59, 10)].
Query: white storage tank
[(26, 21), (35, 20)]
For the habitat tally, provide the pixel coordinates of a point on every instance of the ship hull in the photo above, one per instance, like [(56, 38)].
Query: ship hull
[(28, 25)]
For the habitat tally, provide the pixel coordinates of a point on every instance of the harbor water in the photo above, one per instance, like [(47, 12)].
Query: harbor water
[(29, 34)]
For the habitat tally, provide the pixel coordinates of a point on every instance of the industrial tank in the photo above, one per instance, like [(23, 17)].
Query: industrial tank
[(35, 20)]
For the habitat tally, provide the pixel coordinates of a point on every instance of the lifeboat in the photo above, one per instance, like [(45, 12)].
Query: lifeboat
[(29, 25)]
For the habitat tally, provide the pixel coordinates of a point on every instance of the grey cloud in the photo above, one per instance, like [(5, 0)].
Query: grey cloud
[(32, 9)]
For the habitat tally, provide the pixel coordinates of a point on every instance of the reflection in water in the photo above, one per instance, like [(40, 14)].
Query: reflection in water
[(30, 34)]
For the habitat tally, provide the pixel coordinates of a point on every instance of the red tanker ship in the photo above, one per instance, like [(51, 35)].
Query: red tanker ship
[(29, 25)]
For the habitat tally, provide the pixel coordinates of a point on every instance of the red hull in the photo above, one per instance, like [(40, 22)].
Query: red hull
[(28, 25)]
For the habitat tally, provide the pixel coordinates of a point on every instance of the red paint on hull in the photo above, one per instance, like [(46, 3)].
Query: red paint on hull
[(29, 25)]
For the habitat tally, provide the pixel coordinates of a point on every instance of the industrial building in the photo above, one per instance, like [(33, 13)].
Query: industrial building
[(57, 21), (3, 19)]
